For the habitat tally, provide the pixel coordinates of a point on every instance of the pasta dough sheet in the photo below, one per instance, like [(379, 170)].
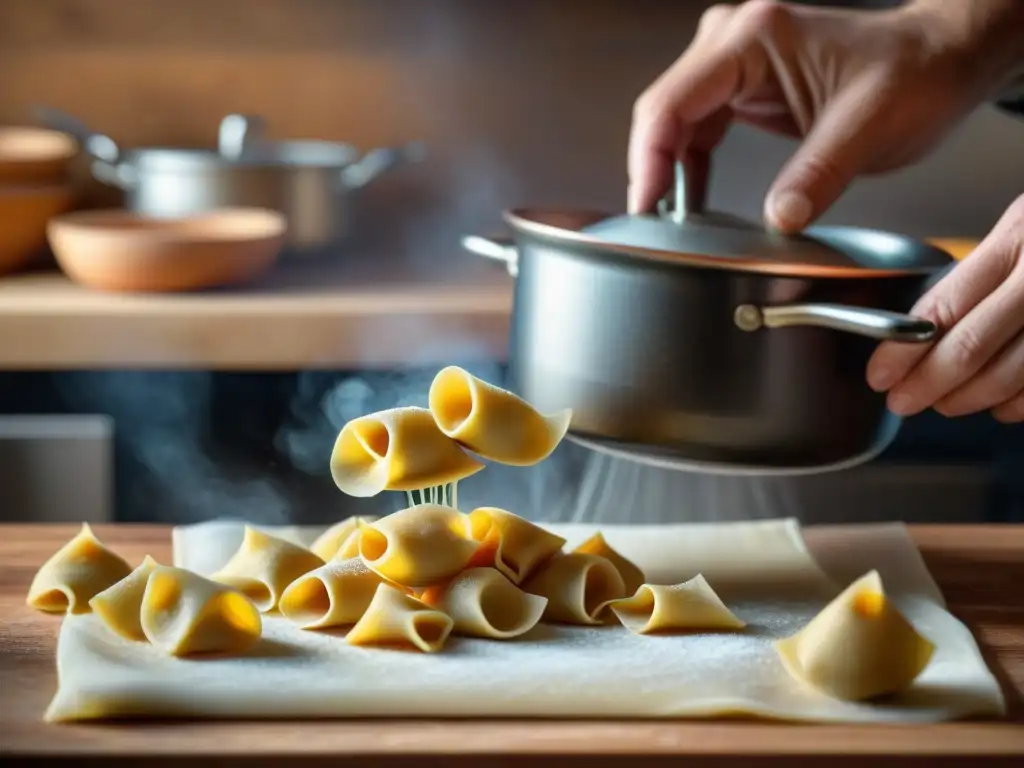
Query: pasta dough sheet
[(762, 570)]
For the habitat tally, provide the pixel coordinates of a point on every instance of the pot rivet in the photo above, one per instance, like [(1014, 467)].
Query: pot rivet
[(748, 317)]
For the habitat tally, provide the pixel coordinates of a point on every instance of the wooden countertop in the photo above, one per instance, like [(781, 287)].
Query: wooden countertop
[(366, 313), (980, 570)]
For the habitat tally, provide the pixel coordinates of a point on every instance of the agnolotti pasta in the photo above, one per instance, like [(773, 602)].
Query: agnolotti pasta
[(341, 540), (859, 647), (393, 618), (335, 594), (493, 422), (578, 587), (74, 574), (120, 605), (483, 603), (631, 575), (419, 546), (516, 547), (692, 605), (183, 613), (400, 449), (264, 566)]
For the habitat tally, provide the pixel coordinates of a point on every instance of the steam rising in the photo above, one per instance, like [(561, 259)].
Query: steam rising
[(544, 492), (161, 418)]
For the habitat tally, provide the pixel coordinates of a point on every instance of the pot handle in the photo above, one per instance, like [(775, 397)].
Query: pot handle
[(120, 175), (498, 248), (874, 323), (98, 145), (377, 161), (239, 133)]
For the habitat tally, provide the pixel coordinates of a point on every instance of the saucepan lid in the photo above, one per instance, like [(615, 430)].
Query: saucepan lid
[(683, 231)]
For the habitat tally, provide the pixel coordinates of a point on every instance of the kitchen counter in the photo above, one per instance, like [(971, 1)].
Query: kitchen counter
[(297, 318), (360, 314), (979, 568)]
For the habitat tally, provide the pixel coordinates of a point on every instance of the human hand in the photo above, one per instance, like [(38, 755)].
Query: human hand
[(869, 91), (977, 363)]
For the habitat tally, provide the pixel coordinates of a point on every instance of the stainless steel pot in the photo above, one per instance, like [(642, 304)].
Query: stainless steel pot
[(693, 339), (311, 182)]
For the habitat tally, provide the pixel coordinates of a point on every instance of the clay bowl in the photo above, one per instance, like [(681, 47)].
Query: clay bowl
[(24, 214), (34, 155), (115, 250)]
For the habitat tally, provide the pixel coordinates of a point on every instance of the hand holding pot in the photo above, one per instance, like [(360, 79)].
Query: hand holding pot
[(978, 364), (868, 92)]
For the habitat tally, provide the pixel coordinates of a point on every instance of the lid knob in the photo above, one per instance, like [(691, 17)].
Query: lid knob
[(689, 195)]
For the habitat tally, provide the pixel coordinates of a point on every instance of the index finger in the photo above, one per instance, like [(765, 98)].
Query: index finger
[(689, 104), (700, 84)]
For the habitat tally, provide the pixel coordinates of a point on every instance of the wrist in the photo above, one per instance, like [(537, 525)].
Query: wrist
[(984, 37)]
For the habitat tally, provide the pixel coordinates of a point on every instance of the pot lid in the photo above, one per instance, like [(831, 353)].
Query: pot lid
[(683, 231)]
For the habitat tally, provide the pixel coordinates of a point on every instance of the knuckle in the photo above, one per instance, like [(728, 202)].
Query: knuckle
[(645, 105), (939, 308), (966, 347), (765, 16), (819, 170), (715, 16)]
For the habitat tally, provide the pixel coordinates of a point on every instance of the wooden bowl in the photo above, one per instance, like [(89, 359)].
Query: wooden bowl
[(34, 155), (24, 215), (115, 250)]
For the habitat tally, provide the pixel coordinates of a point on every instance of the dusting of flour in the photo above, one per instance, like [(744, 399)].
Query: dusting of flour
[(552, 671)]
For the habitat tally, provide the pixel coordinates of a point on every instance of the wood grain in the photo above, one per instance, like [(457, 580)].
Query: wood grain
[(980, 569)]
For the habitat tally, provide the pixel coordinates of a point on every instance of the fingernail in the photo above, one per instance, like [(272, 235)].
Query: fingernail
[(881, 379), (902, 405), (789, 210)]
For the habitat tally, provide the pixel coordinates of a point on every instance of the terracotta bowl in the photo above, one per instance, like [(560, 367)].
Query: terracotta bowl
[(24, 214), (34, 155), (116, 250)]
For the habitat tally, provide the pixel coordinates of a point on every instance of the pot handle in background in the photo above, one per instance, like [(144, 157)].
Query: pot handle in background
[(498, 248), (120, 175), (377, 161), (874, 323), (238, 134), (103, 149), (95, 144)]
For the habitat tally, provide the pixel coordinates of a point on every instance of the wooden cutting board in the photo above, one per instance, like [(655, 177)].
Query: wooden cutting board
[(980, 570)]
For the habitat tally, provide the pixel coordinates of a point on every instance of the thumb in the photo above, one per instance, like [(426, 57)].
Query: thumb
[(836, 150)]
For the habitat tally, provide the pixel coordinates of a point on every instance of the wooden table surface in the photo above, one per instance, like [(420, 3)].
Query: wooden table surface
[(980, 569), (370, 312), (317, 316)]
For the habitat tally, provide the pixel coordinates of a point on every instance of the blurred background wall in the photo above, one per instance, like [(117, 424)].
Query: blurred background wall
[(518, 101)]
